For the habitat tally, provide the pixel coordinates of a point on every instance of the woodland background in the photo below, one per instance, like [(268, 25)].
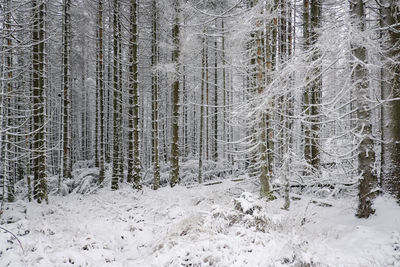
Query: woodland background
[(304, 95)]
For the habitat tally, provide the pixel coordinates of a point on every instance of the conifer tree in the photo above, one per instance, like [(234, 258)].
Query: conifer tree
[(174, 175)]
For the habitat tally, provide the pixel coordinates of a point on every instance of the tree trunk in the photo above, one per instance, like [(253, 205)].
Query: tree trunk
[(175, 98), (116, 135), (207, 142), (66, 78), (366, 153), (312, 92), (9, 170), (316, 85), (154, 79), (265, 190), (121, 99), (134, 165), (225, 92), (215, 145), (307, 94), (38, 76), (201, 130), (101, 90), (391, 90)]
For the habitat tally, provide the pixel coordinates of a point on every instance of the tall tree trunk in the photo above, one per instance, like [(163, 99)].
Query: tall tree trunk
[(154, 79), (9, 170), (316, 85), (265, 190), (390, 13), (109, 142), (225, 92), (184, 113), (366, 153), (101, 90), (312, 92), (134, 165), (97, 118), (38, 76), (207, 142), (307, 94), (175, 98), (271, 56), (201, 129), (120, 100), (116, 116), (66, 78), (215, 145)]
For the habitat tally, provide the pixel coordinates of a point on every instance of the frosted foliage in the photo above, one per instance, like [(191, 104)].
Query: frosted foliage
[(200, 226)]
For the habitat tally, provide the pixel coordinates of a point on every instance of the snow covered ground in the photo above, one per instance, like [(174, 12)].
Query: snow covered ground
[(199, 226)]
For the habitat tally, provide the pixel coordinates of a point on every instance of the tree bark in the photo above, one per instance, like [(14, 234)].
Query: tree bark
[(116, 120), (66, 78), (201, 129), (134, 165), (215, 145), (391, 92), (100, 77), (9, 170), (38, 88), (175, 98), (316, 85), (366, 154), (154, 79)]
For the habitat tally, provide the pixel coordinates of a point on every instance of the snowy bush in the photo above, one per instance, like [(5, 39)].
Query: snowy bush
[(246, 203), (13, 212)]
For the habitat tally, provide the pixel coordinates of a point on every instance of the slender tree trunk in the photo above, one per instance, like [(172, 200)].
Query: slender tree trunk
[(116, 120), (97, 118), (184, 113), (83, 151), (224, 88), (101, 89), (108, 142), (307, 95), (121, 100), (316, 85), (9, 170), (66, 78), (312, 92), (134, 165), (201, 130), (154, 62), (175, 98), (215, 145), (38, 76), (269, 66), (207, 142)]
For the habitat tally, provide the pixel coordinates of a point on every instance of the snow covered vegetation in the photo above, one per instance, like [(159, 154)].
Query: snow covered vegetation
[(200, 133), (223, 224)]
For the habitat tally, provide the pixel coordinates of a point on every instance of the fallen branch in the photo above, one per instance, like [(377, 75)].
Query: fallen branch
[(314, 201), (213, 183), (330, 186), (220, 182)]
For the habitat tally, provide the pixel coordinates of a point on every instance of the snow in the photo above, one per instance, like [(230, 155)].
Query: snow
[(199, 226)]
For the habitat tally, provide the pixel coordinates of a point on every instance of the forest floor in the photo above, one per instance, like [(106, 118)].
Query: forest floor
[(199, 226)]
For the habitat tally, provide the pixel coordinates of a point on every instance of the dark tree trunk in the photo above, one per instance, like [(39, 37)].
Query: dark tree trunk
[(175, 99), (366, 154), (38, 88)]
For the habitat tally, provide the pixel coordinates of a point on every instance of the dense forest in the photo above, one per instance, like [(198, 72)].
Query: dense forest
[(302, 94), (200, 133)]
